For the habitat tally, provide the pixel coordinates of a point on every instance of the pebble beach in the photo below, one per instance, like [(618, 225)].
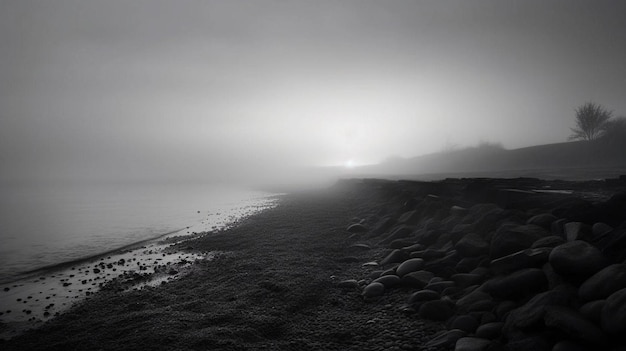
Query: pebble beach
[(459, 264)]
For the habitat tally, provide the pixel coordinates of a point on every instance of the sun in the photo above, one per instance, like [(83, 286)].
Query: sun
[(349, 163)]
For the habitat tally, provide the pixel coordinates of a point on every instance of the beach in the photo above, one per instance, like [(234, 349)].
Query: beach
[(327, 270)]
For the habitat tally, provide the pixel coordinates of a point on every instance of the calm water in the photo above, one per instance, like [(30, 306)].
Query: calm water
[(46, 225)]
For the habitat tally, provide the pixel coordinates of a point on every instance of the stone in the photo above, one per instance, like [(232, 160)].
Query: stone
[(532, 312), (472, 244), (356, 228), (574, 324), (613, 244), (491, 330), (593, 310), (383, 225), (463, 280), (423, 295), (374, 289), (359, 247), (417, 279), (518, 284), (400, 231), (528, 258), (614, 313), (577, 259), (348, 284), (568, 345), (401, 244), (604, 283), (543, 220), (548, 241), (440, 286), (458, 211), (436, 310), (389, 281), (410, 217), (410, 265), (395, 256), (509, 239), (599, 229), (576, 231), (467, 264), (476, 296), (445, 339), (472, 344), (464, 322)]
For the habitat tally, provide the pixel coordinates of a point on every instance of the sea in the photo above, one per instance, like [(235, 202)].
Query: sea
[(43, 225)]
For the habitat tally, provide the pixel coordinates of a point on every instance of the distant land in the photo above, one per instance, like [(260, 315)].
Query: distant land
[(576, 160)]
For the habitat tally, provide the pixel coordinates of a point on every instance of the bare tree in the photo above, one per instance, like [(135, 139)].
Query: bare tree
[(591, 121)]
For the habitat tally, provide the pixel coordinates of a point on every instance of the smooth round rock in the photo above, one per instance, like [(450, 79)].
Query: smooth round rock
[(577, 259), (356, 228), (604, 283), (410, 265), (348, 284), (446, 339), (491, 330), (472, 344), (574, 324), (614, 313), (593, 310), (423, 295), (417, 279), (389, 281), (465, 322), (373, 290)]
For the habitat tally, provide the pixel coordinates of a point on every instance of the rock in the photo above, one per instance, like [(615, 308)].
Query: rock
[(531, 313), (417, 279), (543, 220), (568, 345), (577, 259), (389, 281), (613, 244), (445, 339), (383, 225), (512, 238), (532, 342), (458, 211), (576, 231), (491, 330), (373, 290), (348, 284), (472, 344), (410, 217), (370, 264), (464, 303), (465, 322), (573, 324), (410, 265), (402, 244), (518, 284), (356, 228), (599, 229), (436, 310), (604, 283), (359, 247), (422, 296), (472, 244), (593, 310), (463, 280), (614, 313), (467, 264), (528, 258), (548, 241), (401, 231), (395, 256), (439, 286), (428, 254)]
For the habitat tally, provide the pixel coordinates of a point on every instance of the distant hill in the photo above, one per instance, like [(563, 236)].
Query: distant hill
[(570, 160)]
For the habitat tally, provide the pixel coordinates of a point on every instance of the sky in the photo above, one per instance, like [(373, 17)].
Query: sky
[(228, 89)]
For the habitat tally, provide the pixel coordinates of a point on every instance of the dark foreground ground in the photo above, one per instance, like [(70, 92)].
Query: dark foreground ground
[(482, 264)]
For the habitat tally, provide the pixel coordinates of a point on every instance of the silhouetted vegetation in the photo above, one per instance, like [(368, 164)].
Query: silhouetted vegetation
[(591, 121)]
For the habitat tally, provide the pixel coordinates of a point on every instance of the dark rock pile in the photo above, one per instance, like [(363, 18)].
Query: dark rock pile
[(504, 265)]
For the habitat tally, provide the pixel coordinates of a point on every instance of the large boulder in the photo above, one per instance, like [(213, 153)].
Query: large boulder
[(604, 283), (512, 238), (577, 259)]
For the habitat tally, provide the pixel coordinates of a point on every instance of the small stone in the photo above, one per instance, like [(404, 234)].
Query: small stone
[(373, 290), (417, 279), (389, 281), (543, 220), (348, 284), (472, 344), (423, 295), (410, 265), (356, 228)]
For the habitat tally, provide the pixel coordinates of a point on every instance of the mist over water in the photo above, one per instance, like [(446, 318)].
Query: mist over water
[(42, 225)]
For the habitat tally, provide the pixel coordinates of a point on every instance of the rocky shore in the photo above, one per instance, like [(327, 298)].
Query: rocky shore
[(460, 264)]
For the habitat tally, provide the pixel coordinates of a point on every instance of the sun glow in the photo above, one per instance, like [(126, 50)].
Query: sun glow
[(349, 163)]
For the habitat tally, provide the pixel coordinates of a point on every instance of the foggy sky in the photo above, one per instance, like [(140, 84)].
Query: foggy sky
[(213, 89)]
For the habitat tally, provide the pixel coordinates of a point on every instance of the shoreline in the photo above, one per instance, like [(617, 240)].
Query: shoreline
[(317, 272)]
